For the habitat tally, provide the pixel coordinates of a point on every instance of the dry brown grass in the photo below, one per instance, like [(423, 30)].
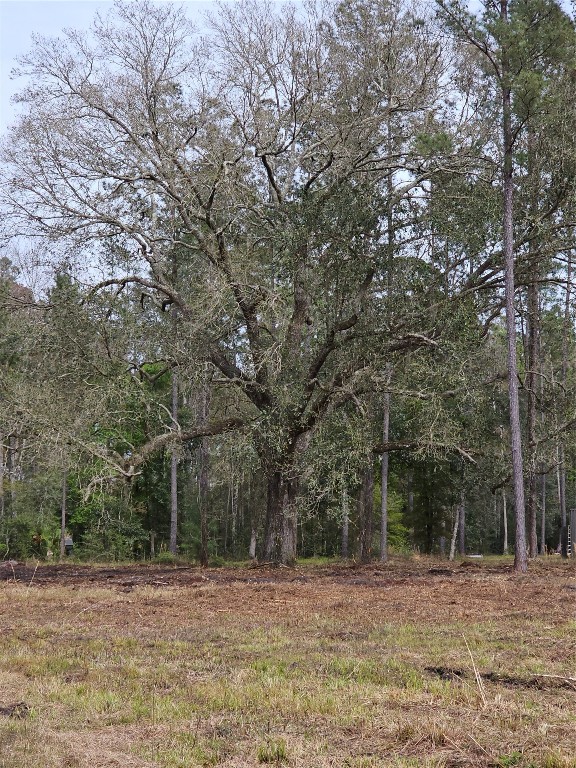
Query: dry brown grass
[(339, 666)]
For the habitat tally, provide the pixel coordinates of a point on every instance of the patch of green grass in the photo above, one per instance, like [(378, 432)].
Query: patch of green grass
[(319, 560), (507, 761), (272, 751)]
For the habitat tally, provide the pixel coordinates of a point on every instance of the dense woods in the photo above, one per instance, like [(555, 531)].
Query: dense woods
[(298, 282)]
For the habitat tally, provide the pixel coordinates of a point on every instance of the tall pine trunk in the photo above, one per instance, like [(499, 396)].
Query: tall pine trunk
[(561, 454), (532, 354), (384, 481), (531, 415), (174, 472), (520, 555)]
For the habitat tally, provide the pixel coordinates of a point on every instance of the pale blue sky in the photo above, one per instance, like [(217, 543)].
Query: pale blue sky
[(19, 19)]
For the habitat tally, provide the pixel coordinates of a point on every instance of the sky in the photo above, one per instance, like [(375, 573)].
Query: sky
[(20, 19)]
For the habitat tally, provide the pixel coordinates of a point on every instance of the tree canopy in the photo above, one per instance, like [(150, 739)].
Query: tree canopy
[(269, 234)]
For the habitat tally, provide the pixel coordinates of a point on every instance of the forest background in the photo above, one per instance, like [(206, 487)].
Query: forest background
[(297, 283)]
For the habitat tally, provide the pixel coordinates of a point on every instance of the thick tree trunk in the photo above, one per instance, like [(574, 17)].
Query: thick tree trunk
[(279, 544), (283, 488), (366, 515), (520, 559)]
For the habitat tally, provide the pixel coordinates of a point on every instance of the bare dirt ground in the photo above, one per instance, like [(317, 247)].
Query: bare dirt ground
[(416, 662), (411, 588)]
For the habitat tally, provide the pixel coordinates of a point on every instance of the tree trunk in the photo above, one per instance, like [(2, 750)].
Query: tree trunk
[(233, 511), (203, 499), (2, 473), (252, 549), (63, 510), (505, 520), (344, 550), (532, 358), (462, 529), (174, 472), (562, 503), (454, 533), (203, 482), (254, 518), (279, 544), (384, 482), (544, 480), (366, 515), (289, 525), (520, 559), (12, 460), (411, 494), (543, 517), (532, 508), (561, 455)]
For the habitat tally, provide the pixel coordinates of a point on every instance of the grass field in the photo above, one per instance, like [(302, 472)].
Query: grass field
[(415, 663)]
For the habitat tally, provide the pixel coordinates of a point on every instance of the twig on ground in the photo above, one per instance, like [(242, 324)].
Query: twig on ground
[(557, 677), (477, 675), (480, 747)]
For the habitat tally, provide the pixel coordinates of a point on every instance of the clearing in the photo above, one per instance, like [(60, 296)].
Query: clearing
[(412, 663)]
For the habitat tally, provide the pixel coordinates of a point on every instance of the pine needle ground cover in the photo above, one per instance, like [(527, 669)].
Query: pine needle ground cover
[(411, 664)]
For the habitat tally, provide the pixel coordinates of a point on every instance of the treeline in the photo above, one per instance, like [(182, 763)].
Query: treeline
[(303, 283)]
